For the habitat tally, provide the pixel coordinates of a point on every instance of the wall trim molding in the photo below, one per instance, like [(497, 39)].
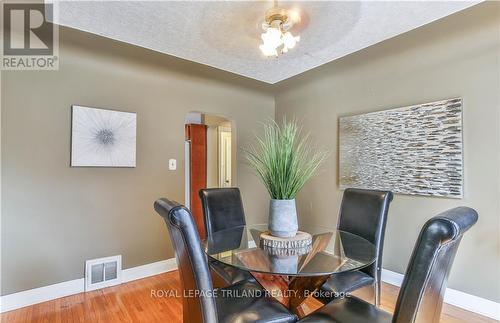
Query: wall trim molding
[(42, 294), (46, 293), (38, 295), (147, 270), (454, 297)]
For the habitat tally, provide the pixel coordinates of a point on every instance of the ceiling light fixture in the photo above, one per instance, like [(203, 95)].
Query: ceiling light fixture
[(277, 39)]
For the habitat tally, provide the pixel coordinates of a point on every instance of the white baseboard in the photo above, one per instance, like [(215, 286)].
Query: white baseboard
[(392, 277), (42, 294), (38, 295), (454, 297), (147, 270)]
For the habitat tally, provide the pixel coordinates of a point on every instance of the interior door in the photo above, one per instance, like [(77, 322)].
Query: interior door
[(225, 157), (197, 136)]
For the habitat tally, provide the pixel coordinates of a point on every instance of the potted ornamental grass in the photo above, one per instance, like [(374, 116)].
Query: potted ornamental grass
[(285, 160)]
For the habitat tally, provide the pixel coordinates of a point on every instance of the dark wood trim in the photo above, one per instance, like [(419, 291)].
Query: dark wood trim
[(197, 135)]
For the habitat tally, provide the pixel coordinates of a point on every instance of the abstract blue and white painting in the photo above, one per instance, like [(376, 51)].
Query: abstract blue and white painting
[(410, 150), (103, 138)]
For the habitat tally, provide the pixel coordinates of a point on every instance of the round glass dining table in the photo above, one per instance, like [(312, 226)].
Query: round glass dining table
[(291, 275)]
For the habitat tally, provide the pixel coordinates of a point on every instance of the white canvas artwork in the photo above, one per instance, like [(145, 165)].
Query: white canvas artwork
[(409, 150), (102, 138)]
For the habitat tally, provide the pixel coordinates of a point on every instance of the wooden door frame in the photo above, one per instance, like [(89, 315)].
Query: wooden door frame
[(197, 135)]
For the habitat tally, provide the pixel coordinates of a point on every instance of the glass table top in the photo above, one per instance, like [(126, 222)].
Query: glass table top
[(332, 251)]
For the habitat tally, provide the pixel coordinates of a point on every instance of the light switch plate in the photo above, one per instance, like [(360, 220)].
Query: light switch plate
[(172, 164)]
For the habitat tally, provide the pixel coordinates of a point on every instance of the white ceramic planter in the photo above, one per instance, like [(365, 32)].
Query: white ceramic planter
[(283, 218)]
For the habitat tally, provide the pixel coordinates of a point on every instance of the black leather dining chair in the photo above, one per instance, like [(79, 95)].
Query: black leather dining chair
[(420, 299), (364, 213), (222, 210), (236, 303)]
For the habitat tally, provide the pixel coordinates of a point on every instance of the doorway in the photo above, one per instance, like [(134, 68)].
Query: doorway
[(224, 153), (209, 156)]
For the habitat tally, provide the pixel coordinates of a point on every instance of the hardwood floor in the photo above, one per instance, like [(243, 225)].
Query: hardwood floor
[(136, 302)]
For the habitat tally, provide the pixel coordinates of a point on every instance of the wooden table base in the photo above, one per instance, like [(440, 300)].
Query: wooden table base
[(291, 291)]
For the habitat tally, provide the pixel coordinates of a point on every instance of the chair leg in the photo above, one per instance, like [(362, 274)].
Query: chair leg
[(376, 293)]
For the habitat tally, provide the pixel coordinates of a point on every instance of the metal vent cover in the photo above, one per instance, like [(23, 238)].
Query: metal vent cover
[(103, 272)]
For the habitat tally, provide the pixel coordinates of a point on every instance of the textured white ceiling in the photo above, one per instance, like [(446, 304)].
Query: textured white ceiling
[(226, 35)]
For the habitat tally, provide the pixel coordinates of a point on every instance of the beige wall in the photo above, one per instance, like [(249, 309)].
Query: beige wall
[(54, 217), (455, 57)]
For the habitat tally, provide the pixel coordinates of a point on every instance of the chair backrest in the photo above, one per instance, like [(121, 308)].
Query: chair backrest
[(222, 209), (364, 213), (421, 296), (191, 260)]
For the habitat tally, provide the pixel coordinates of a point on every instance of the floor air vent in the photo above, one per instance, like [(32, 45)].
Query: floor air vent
[(103, 272)]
